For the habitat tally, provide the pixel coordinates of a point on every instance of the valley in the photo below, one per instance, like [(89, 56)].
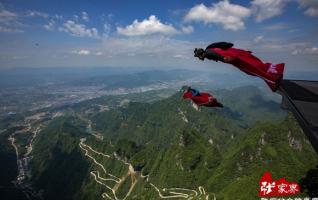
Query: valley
[(150, 144)]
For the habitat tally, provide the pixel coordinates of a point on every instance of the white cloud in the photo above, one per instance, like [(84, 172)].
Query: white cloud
[(99, 53), (181, 56), (230, 16), (148, 26), (275, 45), (12, 22), (79, 30), (58, 17), (6, 15), (75, 17), (313, 50), (272, 45), (312, 12), (84, 52), (9, 21), (155, 45), (259, 39), (37, 14), (306, 50), (50, 26), (85, 16), (277, 26), (151, 50), (187, 29), (295, 52), (107, 29), (265, 9), (6, 29), (311, 7)]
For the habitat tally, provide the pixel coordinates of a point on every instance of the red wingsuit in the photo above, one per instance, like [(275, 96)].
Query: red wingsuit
[(248, 63), (203, 99)]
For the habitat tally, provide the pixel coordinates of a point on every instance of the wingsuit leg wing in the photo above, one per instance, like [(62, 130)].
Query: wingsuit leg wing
[(274, 74)]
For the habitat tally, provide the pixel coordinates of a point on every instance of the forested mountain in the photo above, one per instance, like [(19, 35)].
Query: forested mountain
[(143, 148)]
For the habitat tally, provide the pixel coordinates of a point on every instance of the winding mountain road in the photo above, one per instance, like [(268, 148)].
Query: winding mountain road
[(165, 193)]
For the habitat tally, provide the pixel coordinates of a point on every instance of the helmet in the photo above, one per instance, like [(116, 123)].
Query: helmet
[(198, 52)]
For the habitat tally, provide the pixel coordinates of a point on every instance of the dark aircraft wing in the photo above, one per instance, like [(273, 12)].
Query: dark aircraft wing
[(301, 98)]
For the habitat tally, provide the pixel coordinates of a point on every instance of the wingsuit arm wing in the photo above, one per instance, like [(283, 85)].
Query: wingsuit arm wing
[(211, 55), (200, 100), (221, 45)]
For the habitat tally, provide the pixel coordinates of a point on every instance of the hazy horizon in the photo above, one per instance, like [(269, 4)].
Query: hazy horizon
[(143, 34)]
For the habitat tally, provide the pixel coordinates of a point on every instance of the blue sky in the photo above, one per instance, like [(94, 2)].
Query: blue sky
[(42, 33)]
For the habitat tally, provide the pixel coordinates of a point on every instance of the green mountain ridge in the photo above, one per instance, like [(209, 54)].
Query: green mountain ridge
[(175, 146)]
